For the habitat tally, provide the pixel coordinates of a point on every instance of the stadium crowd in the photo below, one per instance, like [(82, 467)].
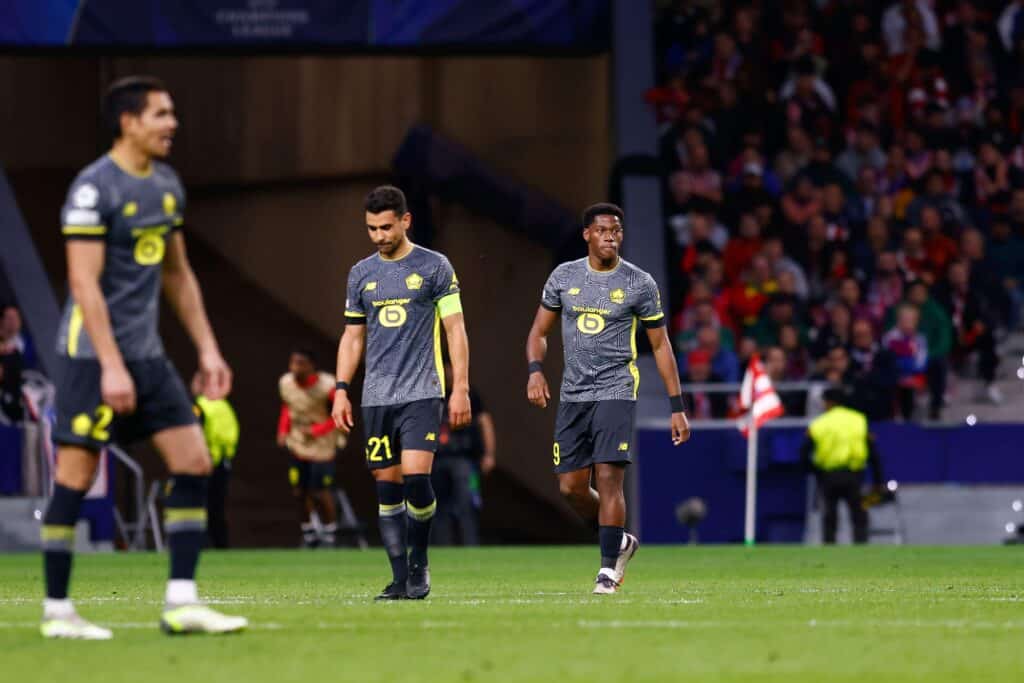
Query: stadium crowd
[(844, 187)]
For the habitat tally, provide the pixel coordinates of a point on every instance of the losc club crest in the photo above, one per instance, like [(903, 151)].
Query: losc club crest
[(617, 296), (170, 204), (414, 281)]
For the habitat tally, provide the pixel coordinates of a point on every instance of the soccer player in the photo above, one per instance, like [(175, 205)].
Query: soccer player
[(122, 223), (601, 299), (398, 299), (306, 429)]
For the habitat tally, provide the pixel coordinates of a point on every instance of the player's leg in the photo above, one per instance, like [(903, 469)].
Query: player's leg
[(391, 515), (384, 461), (76, 468), (419, 423), (572, 455), (184, 451), (164, 413), (323, 500), (216, 519), (83, 429), (612, 429)]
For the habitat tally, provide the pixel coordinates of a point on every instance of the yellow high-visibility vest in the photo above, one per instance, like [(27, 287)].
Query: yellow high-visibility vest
[(840, 440), (220, 427)]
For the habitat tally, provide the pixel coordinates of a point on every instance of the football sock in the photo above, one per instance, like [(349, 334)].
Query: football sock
[(421, 504), (185, 523), (308, 533), (58, 539), (330, 533), (611, 543), (391, 516)]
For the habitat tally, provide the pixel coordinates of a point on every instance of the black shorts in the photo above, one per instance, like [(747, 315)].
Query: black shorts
[(593, 432), (310, 476), (161, 402), (414, 426)]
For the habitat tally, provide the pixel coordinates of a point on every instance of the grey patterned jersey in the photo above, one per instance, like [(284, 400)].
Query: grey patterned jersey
[(133, 216), (600, 314), (401, 304)]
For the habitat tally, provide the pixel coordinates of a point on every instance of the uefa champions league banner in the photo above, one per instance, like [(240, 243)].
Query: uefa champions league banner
[(466, 24)]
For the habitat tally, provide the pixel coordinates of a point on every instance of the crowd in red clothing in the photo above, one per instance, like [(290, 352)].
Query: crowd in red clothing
[(844, 187)]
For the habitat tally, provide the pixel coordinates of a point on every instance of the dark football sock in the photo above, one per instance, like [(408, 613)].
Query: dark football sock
[(391, 516), (58, 539), (421, 505), (185, 523), (611, 544)]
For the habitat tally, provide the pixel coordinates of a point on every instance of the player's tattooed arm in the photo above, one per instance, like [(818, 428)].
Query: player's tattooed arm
[(181, 289), (459, 409), (350, 352), (85, 265), (536, 349), (669, 371)]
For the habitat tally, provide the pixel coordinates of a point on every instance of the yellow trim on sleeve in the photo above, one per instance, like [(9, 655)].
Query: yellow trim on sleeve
[(449, 304), (84, 229), (438, 361), (649, 318), (74, 330), (353, 314), (632, 364)]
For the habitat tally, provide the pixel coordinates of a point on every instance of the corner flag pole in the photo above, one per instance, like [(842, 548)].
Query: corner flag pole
[(749, 531)]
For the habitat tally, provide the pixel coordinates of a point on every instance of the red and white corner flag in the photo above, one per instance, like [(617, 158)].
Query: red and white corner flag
[(758, 397)]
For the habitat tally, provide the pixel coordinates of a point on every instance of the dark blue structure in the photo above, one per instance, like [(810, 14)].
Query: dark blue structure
[(712, 466)]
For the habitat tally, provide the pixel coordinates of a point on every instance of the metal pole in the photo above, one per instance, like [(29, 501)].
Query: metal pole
[(751, 509)]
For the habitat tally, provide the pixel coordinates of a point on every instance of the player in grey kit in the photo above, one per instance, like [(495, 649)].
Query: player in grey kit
[(122, 224), (397, 302), (602, 300)]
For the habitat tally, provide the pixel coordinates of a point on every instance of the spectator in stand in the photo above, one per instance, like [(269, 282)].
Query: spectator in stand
[(704, 317), (780, 311), (973, 325), (913, 258), (837, 332), (697, 184), (905, 15), (748, 297), (1005, 262), (12, 364), (937, 329), (782, 265), (865, 199), (886, 288), (919, 157), (866, 253), (775, 366), (796, 155), (984, 280), (849, 295), (874, 372), (801, 203), (937, 196), (703, 405), (11, 322), (940, 248), (910, 354), (740, 250), (991, 181), (798, 361), (865, 152)]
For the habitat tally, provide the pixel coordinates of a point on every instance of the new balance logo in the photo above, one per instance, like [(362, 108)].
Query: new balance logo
[(431, 436), (624, 446)]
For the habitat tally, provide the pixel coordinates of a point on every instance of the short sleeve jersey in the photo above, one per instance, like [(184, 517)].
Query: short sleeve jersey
[(399, 302), (133, 216), (600, 315)]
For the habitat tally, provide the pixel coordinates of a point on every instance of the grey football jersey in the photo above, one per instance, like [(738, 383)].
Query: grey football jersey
[(600, 315), (134, 216), (398, 301)]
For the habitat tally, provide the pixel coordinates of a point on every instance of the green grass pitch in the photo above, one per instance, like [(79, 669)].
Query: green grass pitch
[(525, 614)]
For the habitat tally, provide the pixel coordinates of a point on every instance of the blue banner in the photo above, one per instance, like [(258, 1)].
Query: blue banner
[(369, 24)]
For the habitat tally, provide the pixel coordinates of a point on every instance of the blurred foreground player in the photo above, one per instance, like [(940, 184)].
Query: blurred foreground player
[(838, 448), (397, 301), (306, 429), (601, 299), (122, 222)]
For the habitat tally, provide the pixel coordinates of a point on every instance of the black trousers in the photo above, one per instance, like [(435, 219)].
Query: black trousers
[(216, 519), (457, 517), (842, 485)]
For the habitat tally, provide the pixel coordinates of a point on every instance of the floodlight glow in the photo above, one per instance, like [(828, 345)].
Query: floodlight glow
[(972, 420)]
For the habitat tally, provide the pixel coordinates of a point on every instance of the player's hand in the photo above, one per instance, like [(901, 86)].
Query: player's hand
[(459, 410), (215, 375), (341, 412), (680, 428), (537, 390), (118, 389), (487, 464)]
